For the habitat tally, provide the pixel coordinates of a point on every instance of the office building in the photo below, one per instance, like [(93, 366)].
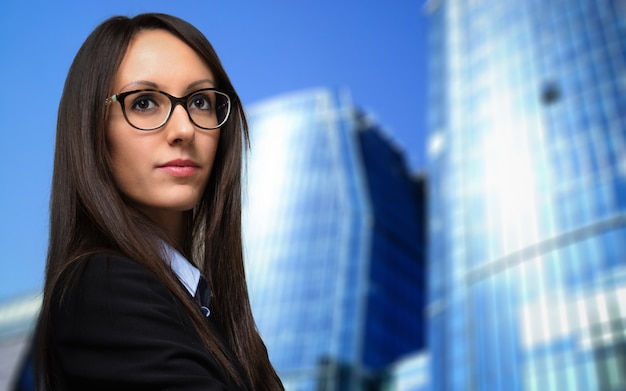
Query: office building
[(410, 373), (334, 239), (17, 321), (527, 195)]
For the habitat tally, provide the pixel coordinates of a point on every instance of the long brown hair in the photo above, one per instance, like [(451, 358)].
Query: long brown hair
[(88, 213)]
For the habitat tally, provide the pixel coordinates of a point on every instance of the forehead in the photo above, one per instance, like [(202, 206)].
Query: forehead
[(161, 58)]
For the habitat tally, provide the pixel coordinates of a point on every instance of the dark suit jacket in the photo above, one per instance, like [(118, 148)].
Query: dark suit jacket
[(120, 328)]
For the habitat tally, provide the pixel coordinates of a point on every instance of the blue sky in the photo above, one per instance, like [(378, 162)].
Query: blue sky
[(376, 49)]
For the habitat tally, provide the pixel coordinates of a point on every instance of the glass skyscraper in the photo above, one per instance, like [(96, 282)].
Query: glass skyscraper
[(17, 320), (334, 239), (411, 373), (527, 195)]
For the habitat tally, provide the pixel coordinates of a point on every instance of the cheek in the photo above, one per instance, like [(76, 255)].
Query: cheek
[(121, 169), (116, 154), (208, 148), (124, 159)]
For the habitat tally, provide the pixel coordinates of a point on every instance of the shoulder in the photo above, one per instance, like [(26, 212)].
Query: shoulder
[(109, 285), (108, 297), (110, 279), (118, 324), (104, 266)]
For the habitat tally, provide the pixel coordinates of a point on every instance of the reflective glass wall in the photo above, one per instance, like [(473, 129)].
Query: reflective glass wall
[(334, 249), (527, 151), (412, 373)]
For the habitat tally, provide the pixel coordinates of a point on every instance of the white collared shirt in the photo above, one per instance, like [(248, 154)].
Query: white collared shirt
[(187, 273)]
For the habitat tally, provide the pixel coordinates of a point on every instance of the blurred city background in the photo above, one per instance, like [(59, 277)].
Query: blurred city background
[(435, 196)]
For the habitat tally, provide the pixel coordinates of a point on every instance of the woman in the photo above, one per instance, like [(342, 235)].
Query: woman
[(145, 208)]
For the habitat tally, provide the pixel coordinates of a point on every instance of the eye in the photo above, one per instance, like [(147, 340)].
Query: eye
[(143, 103), (201, 101)]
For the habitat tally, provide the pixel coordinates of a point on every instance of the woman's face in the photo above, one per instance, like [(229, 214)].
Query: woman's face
[(163, 171)]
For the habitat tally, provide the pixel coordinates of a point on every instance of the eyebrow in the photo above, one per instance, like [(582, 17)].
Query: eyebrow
[(197, 83), (154, 85)]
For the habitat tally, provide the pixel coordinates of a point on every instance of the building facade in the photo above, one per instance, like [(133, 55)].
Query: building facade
[(17, 321), (411, 373), (334, 240), (527, 195)]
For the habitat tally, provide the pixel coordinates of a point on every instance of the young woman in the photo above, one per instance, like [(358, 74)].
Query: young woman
[(145, 214)]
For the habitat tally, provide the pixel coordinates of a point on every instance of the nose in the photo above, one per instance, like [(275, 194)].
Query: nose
[(180, 129)]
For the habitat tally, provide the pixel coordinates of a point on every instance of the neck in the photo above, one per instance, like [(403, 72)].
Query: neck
[(172, 223)]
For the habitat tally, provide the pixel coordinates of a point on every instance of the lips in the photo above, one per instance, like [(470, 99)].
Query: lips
[(180, 167)]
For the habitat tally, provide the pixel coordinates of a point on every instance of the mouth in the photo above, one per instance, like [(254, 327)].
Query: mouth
[(180, 167)]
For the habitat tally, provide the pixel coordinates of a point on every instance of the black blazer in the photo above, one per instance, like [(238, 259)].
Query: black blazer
[(120, 328)]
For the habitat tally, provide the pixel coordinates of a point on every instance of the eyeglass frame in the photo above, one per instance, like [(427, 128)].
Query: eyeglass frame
[(174, 101)]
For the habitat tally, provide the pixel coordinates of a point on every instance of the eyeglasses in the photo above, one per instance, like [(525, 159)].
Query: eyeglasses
[(151, 109)]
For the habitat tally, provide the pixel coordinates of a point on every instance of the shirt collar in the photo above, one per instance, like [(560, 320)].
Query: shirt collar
[(187, 273)]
